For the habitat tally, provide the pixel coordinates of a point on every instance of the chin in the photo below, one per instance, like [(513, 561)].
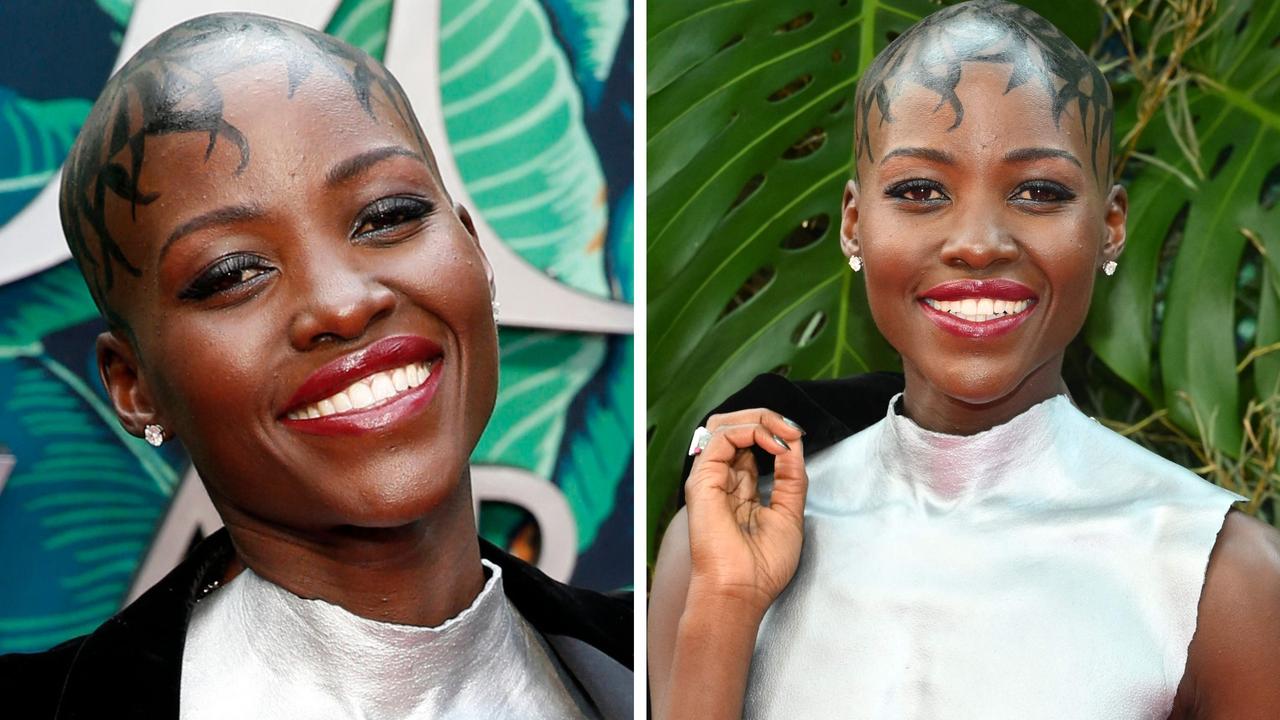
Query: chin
[(977, 386)]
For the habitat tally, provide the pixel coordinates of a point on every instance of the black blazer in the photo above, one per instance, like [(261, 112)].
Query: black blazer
[(131, 666), (828, 410)]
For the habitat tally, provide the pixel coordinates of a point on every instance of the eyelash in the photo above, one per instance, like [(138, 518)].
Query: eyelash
[(389, 214), (225, 275), (1059, 193), (384, 216)]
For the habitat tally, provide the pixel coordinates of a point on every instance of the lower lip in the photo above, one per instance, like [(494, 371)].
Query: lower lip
[(970, 329), (390, 412)]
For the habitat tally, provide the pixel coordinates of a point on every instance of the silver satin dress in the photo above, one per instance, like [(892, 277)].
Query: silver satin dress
[(1046, 568), (255, 650)]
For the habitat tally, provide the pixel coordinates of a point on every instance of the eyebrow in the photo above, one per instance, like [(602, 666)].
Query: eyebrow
[(220, 216), (923, 153), (357, 164), (1040, 153)]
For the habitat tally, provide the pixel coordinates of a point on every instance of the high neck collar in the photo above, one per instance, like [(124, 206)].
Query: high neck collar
[(953, 468), (398, 667)]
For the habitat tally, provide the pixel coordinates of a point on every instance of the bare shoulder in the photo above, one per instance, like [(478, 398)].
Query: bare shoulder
[(1233, 658)]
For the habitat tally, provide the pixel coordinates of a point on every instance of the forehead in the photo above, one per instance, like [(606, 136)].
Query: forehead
[(986, 118), (269, 141)]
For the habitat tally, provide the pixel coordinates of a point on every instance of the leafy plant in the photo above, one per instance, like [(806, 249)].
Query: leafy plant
[(749, 147)]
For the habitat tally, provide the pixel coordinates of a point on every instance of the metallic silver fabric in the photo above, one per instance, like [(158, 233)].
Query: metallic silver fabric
[(1046, 568), (255, 650)]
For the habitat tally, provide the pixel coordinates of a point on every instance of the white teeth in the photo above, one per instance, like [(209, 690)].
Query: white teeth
[(382, 387), (341, 403), (366, 391), (979, 309), (361, 395)]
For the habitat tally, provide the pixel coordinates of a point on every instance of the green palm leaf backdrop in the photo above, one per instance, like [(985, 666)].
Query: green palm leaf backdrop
[(749, 146), (537, 102)]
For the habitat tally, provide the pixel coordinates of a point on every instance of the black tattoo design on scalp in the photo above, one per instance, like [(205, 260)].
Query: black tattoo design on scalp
[(170, 87), (932, 52)]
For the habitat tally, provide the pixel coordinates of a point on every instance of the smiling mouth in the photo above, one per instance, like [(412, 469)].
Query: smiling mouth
[(980, 309), (376, 389)]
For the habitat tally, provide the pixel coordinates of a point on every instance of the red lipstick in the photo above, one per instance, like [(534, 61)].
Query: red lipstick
[(994, 289), (338, 375)]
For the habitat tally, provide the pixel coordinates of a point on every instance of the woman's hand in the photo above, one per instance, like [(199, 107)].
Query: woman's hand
[(743, 552)]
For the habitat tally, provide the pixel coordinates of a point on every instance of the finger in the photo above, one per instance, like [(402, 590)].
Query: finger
[(777, 424), (746, 474), (790, 482), (725, 442)]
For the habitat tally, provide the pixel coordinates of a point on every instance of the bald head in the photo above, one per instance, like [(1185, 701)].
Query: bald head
[(932, 55), (173, 85)]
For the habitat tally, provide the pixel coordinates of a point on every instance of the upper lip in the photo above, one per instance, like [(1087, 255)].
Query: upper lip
[(338, 374), (995, 288)]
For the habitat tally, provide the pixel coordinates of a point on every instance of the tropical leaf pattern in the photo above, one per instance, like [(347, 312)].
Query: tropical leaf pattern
[(514, 117), (593, 30), (83, 492), (34, 139), (363, 23)]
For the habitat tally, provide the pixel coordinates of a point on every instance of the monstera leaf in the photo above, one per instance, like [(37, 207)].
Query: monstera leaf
[(515, 121), (750, 139), (85, 492), (1233, 102)]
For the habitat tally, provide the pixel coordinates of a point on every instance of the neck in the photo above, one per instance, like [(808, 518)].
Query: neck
[(421, 573), (932, 408)]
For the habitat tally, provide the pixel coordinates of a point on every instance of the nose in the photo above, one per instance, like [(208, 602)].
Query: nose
[(337, 304), (980, 240)]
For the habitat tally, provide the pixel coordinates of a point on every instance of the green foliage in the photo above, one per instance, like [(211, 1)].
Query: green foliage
[(750, 139), (1167, 322)]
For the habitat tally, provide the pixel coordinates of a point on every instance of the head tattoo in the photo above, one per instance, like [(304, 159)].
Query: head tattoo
[(170, 87), (931, 54)]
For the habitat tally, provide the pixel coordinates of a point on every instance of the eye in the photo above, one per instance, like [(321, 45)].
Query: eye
[(917, 190), (1042, 192), (225, 275), (391, 218)]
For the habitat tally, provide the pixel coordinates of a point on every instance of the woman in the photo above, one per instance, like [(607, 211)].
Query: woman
[(292, 293), (984, 550)]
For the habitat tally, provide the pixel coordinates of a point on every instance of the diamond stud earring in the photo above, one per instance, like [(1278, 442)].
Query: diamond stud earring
[(1109, 268), (154, 435), (855, 263), (496, 306)]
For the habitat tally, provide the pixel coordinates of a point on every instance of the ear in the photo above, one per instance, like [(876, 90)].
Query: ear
[(464, 216), (849, 242), (1115, 219), (118, 368)]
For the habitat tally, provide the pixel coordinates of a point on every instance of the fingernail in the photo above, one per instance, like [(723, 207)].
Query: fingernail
[(794, 424), (781, 442)]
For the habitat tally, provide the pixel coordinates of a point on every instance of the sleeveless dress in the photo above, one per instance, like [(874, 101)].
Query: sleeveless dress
[(1045, 568)]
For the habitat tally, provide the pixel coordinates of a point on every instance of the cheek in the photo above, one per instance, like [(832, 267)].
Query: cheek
[(212, 364)]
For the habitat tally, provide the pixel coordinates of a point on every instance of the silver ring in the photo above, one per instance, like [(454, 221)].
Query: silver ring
[(701, 437)]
